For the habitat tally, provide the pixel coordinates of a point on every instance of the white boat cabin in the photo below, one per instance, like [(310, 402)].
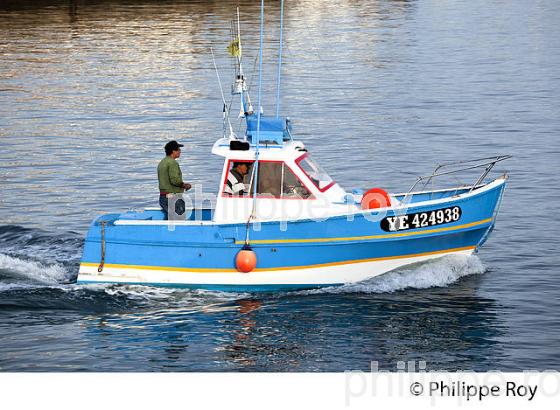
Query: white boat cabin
[(290, 184)]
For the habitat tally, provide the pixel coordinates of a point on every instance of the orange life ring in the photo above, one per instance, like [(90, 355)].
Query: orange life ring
[(375, 198)]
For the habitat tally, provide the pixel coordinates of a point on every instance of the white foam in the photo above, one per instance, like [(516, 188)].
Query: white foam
[(437, 273), (166, 294), (47, 274), (4, 287)]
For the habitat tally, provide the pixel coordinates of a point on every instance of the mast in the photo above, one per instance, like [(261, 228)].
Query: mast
[(240, 63), (240, 85)]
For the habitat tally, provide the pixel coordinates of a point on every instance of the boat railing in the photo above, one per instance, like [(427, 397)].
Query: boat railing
[(450, 168)]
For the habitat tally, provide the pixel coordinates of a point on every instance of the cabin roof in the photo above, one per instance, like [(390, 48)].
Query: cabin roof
[(287, 150)]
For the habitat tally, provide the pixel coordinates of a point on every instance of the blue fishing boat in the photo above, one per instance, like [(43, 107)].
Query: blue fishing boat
[(293, 227)]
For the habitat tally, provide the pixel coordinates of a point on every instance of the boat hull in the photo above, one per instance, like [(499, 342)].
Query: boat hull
[(263, 280), (308, 254)]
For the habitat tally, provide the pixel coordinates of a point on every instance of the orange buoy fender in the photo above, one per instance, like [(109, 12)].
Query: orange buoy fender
[(246, 260), (375, 198)]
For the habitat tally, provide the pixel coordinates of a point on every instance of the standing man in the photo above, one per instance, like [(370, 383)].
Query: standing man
[(170, 178)]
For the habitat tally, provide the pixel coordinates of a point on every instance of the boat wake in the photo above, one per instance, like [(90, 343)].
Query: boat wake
[(35, 258), (31, 271), (38, 270), (436, 273)]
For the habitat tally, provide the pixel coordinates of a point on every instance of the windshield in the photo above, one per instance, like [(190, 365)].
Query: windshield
[(316, 174)]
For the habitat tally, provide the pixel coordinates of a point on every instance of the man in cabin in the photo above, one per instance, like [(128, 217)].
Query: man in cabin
[(170, 179), (234, 183)]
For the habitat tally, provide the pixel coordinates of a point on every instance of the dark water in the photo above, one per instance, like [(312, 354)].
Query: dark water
[(380, 91)]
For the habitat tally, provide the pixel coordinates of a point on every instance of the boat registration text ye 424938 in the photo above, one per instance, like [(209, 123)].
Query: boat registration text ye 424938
[(421, 219)]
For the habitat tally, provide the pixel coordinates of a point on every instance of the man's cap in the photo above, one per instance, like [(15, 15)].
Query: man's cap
[(235, 164), (173, 146)]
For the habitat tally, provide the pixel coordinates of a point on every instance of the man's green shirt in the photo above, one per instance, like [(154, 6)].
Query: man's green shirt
[(169, 176)]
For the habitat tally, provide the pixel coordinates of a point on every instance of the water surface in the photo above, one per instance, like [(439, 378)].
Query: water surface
[(380, 91)]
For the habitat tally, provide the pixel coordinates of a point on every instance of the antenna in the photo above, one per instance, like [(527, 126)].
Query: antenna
[(242, 107), (239, 43), (280, 58), (241, 85)]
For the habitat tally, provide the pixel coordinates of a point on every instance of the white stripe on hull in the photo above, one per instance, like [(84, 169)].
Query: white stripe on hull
[(323, 275)]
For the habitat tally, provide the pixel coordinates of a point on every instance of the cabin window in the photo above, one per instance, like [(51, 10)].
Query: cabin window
[(316, 174), (276, 180)]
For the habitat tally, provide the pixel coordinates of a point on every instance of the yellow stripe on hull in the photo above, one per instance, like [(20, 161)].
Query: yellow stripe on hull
[(361, 238), (281, 268)]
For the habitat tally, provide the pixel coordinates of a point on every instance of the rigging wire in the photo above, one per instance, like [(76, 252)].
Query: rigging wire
[(256, 166), (259, 99), (225, 111), (280, 59)]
